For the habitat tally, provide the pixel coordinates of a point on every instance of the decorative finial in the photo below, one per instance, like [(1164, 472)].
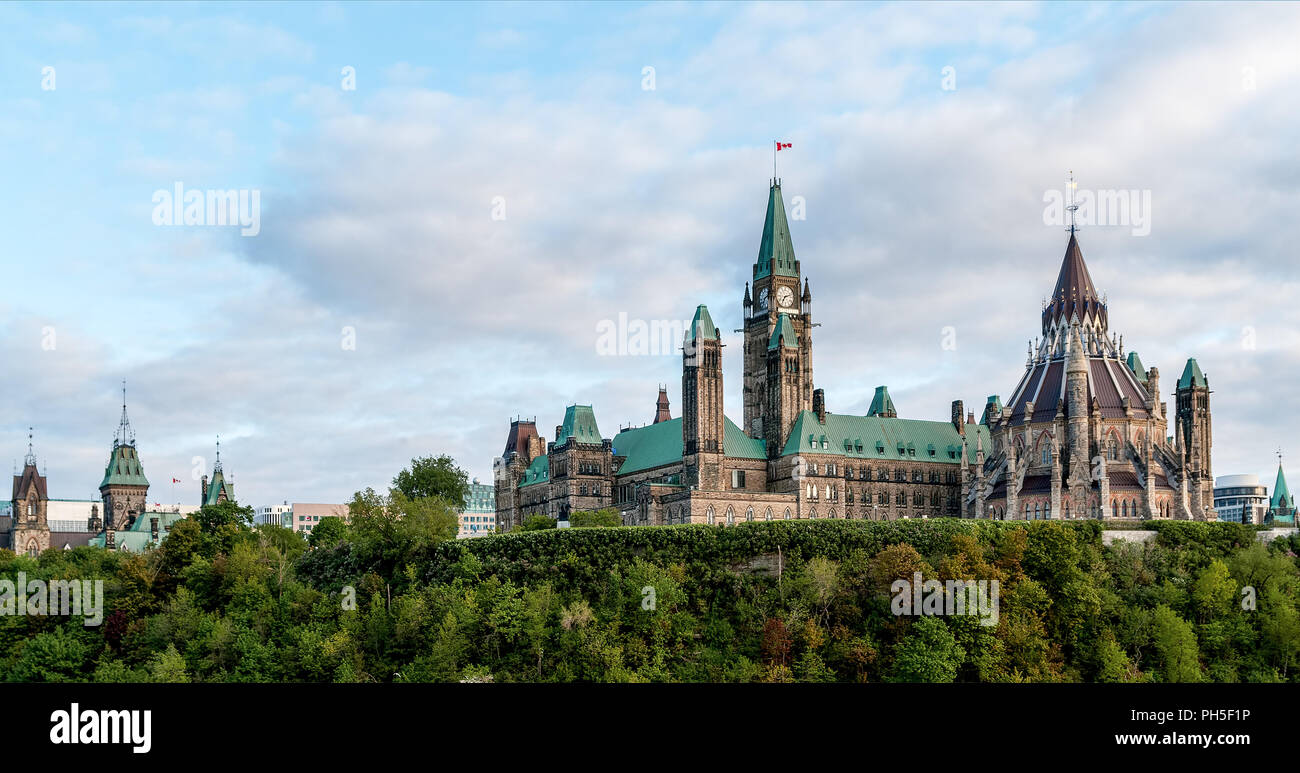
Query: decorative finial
[(216, 467), (125, 435), (1073, 207), (31, 455)]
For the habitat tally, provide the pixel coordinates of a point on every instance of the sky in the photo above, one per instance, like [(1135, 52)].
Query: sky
[(454, 198)]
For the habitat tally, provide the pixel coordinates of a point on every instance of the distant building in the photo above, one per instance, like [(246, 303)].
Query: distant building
[(275, 515), (479, 516), (304, 516), (1241, 499), (220, 490)]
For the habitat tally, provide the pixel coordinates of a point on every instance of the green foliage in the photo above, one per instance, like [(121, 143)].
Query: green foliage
[(429, 477), (394, 597), (537, 522), (582, 519), (329, 531)]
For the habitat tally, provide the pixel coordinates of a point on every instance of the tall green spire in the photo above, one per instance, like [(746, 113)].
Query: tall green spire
[(1281, 494), (1135, 365), (776, 253)]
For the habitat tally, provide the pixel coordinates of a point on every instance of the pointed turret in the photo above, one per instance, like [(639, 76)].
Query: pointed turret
[(1192, 376), (776, 251), (1075, 294), (1281, 499), (661, 406), (1135, 365), (702, 327)]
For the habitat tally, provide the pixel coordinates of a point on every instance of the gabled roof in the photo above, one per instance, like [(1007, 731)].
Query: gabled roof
[(28, 479), (124, 468), (656, 445), (882, 404), (776, 251), (140, 536), (877, 438), (1135, 365), (1192, 376), (783, 334), (580, 424), (217, 483), (702, 327)]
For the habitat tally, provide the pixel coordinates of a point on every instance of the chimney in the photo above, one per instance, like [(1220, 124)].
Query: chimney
[(661, 406), (110, 539), (203, 490), (558, 429), (153, 529), (819, 405), (958, 411), (970, 417)]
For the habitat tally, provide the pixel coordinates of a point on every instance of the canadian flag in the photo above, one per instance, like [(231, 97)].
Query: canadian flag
[(784, 145), (175, 481)]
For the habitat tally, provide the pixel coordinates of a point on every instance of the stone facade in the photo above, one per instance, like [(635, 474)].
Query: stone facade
[(1084, 434)]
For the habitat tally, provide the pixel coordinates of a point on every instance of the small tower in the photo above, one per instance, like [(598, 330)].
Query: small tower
[(220, 490), (1192, 414), (30, 530), (125, 489), (702, 415), (1076, 428)]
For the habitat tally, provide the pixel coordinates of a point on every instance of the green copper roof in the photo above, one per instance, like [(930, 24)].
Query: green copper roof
[(124, 468), (1135, 365), (656, 445), (1192, 375), (702, 326), (139, 537), (875, 437), (579, 423), (538, 472), (882, 404), (994, 401), (783, 331), (776, 252), (214, 489), (1281, 494)]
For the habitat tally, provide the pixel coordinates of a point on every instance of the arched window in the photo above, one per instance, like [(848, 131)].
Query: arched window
[(787, 514), (1047, 510), (708, 515), (1114, 509), (812, 512), (1112, 449), (767, 514), (832, 513), (32, 549), (1026, 511), (749, 514), (731, 515)]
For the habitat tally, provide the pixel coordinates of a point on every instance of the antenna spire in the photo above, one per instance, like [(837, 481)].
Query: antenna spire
[(31, 455), (216, 467), (1073, 206), (125, 435)]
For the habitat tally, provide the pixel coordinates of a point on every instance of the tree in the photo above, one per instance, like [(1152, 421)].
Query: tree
[(930, 653), (329, 531), (430, 476), (1214, 591), (1176, 646), (583, 519), (389, 530), (537, 522)]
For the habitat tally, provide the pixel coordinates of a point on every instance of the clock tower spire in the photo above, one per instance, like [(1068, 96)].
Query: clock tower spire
[(776, 300)]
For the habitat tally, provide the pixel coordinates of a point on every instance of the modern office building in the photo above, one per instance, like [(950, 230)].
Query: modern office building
[(1241, 499)]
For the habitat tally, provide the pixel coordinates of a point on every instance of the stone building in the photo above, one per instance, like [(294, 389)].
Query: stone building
[(1083, 436), (792, 460), (29, 530), (1084, 433)]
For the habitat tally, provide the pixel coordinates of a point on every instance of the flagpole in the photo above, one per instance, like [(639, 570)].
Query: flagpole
[(774, 147)]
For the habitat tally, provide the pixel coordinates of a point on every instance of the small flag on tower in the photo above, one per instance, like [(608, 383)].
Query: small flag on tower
[(175, 481), (784, 145)]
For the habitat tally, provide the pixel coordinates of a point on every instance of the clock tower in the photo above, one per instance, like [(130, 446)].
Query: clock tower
[(775, 300)]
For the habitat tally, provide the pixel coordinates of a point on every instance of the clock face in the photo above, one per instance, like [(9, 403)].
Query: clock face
[(762, 299), (785, 297)]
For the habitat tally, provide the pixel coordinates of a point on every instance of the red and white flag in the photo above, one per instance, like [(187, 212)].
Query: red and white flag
[(175, 481), (784, 145)]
